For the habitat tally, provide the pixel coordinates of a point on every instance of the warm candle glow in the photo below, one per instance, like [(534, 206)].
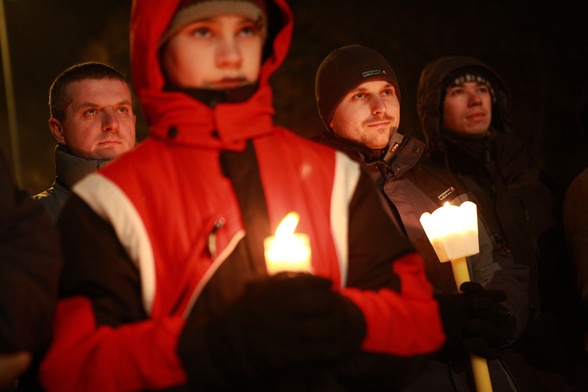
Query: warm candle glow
[(287, 251), (452, 230)]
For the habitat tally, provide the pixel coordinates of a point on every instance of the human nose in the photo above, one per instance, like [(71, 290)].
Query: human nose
[(474, 98), (228, 54), (109, 121), (378, 105)]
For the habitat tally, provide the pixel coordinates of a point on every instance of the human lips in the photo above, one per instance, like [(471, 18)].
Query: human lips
[(110, 142), (227, 83), (378, 121), (476, 116), (379, 124)]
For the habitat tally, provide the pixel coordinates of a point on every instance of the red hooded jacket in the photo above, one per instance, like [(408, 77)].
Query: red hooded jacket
[(162, 204)]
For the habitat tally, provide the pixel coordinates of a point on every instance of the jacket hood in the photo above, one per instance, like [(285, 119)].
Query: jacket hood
[(175, 116), (432, 83)]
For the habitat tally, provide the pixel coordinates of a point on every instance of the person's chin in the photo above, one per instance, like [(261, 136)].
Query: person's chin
[(375, 146), (110, 152), (378, 144)]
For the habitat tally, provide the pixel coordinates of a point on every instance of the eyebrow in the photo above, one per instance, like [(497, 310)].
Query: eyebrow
[(89, 104), (360, 88)]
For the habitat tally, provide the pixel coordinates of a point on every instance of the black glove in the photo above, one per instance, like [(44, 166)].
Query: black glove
[(489, 324), (282, 323), (475, 321)]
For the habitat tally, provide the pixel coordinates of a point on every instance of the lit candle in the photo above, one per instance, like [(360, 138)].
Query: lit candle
[(453, 232), (287, 251)]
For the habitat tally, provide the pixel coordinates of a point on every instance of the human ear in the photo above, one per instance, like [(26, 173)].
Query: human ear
[(56, 129)]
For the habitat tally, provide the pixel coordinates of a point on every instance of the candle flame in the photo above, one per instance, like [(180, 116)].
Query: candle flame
[(287, 251), (287, 225)]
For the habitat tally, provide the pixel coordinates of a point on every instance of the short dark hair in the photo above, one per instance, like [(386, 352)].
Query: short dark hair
[(59, 94)]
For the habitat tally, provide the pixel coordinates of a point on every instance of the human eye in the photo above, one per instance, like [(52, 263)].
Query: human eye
[(389, 91), (201, 32), (123, 110), (483, 88), (359, 96), (455, 91), (90, 112), (248, 30)]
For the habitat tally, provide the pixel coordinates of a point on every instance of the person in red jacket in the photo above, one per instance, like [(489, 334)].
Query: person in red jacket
[(165, 283)]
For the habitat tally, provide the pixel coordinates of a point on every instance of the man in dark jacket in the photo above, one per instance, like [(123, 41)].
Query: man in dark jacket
[(91, 108), (463, 108), (358, 99), (30, 262)]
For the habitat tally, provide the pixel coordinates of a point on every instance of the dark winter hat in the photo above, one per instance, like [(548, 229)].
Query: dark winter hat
[(468, 75), (192, 10), (343, 70)]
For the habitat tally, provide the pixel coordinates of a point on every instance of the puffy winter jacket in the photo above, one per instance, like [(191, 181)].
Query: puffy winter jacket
[(149, 235)]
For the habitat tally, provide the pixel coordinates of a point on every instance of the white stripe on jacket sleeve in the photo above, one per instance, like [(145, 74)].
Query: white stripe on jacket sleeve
[(347, 174), (111, 204)]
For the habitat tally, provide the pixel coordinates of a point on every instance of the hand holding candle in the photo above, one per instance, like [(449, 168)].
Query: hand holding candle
[(287, 251), (453, 232)]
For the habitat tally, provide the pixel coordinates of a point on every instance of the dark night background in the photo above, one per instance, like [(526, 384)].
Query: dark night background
[(539, 48)]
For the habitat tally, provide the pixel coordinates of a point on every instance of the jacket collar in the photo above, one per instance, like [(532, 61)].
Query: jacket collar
[(70, 168), (403, 153)]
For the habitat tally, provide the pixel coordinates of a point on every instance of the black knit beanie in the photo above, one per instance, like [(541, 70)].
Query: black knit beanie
[(343, 70)]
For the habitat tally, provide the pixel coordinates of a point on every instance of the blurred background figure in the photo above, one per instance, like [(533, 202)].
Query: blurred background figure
[(575, 212), (30, 262)]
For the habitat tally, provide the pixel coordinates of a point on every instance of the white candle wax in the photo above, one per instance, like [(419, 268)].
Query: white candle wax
[(452, 230)]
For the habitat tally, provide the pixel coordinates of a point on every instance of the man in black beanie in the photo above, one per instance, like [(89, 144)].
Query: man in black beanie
[(358, 99), (355, 77)]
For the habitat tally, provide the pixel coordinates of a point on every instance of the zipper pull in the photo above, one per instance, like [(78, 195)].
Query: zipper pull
[(212, 237)]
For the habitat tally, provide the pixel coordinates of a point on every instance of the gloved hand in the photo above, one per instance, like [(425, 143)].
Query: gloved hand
[(475, 321), (489, 324), (282, 322)]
